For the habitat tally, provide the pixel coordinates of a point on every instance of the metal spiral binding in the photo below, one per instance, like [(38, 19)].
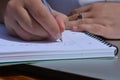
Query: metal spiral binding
[(99, 38)]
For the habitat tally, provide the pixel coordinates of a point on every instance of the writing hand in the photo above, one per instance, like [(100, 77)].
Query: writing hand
[(30, 20)]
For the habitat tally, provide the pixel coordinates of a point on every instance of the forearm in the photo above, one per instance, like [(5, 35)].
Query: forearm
[(3, 4)]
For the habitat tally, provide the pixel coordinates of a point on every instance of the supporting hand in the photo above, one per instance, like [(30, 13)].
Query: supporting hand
[(102, 19)]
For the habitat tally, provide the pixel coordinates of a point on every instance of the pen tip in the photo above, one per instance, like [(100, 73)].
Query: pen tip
[(61, 40)]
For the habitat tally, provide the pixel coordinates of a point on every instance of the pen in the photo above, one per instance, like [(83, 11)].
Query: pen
[(48, 7)]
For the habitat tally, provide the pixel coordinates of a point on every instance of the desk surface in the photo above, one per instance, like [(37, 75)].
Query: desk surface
[(17, 77), (108, 69)]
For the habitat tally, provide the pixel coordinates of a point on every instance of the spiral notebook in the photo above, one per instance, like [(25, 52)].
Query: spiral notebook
[(75, 45)]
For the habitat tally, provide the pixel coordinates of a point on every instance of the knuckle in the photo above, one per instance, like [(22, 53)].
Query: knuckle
[(74, 11), (11, 5)]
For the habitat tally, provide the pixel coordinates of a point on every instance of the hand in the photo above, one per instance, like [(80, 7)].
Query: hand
[(31, 20), (102, 19)]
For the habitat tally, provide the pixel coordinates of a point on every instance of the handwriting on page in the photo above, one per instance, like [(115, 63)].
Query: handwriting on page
[(70, 39)]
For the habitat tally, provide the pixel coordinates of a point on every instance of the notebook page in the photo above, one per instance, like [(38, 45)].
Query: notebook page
[(72, 41)]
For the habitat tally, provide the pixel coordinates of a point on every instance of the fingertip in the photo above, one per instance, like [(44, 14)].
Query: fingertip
[(75, 28), (56, 37), (80, 28)]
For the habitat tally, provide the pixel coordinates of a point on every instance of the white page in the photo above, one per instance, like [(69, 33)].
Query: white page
[(74, 45), (71, 41)]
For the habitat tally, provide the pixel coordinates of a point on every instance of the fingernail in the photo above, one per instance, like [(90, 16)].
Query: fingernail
[(58, 36), (75, 28)]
